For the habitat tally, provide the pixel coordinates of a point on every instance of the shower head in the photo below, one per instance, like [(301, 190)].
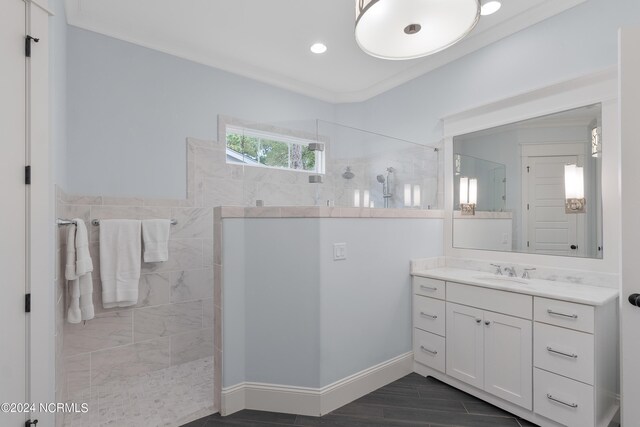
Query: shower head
[(348, 174), (381, 179)]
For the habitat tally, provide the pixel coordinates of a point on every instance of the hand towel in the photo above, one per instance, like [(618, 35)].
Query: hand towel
[(120, 260), (155, 235), (78, 273)]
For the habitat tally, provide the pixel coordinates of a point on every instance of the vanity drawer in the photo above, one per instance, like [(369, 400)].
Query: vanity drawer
[(508, 303), (429, 314), (428, 287), (562, 313), (563, 351), (429, 349), (563, 400)]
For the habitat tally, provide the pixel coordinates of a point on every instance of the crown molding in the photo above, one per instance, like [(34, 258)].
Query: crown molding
[(475, 42)]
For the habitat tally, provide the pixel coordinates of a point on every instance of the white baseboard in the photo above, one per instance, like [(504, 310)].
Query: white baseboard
[(314, 401)]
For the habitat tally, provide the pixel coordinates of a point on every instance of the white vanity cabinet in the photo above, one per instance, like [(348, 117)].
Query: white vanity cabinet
[(489, 350), (547, 360)]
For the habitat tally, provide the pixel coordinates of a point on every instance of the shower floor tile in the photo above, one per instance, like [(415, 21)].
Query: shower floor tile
[(167, 397)]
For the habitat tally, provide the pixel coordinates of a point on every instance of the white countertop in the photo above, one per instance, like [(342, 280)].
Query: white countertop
[(578, 293)]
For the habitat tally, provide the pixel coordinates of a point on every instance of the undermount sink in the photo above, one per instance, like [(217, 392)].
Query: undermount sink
[(495, 277)]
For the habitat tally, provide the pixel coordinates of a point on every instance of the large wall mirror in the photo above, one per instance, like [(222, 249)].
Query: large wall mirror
[(532, 186)]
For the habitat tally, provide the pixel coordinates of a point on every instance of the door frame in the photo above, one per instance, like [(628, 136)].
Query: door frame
[(551, 149)]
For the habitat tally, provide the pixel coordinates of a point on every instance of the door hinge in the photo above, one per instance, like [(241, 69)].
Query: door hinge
[(528, 169), (27, 303), (27, 175), (27, 45), (527, 206), (527, 243)]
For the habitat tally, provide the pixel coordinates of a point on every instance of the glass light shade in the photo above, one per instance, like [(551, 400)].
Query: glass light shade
[(407, 195), (417, 202), (473, 191), (383, 26), (365, 199), (356, 198), (574, 182), (464, 190)]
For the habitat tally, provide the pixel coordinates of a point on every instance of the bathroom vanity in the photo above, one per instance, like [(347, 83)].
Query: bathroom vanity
[(544, 350)]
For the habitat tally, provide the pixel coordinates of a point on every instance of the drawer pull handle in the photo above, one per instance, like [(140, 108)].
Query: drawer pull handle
[(426, 350), (428, 288), (571, 355), (555, 313), (430, 316), (570, 405)]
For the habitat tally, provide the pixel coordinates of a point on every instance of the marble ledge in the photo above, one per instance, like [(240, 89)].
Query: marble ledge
[(565, 291), (484, 215), (222, 212)]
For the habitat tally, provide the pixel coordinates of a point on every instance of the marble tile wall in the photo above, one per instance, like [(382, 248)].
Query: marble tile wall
[(171, 325)]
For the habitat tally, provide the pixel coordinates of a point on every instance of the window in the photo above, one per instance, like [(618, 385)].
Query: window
[(263, 149)]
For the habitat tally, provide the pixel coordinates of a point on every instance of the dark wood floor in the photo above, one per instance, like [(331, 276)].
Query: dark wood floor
[(412, 400)]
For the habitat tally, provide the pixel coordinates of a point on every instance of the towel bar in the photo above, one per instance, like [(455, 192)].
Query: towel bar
[(95, 222)]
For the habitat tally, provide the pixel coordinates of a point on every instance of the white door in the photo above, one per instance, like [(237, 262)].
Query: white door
[(508, 365), (13, 221), (549, 229), (465, 338), (629, 69)]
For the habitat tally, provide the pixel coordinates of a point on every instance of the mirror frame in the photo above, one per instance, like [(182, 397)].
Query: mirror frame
[(598, 88)]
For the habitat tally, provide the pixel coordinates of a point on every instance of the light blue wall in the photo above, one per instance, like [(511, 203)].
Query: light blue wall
[(130, 110), (365, 301), (294, 316), (58, 90), (574, 43)]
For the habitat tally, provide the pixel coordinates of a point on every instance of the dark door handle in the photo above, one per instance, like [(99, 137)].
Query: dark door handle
[(634, 299), (574, 247)]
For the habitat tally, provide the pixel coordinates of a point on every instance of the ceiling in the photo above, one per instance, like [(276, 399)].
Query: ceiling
[(269, 40)]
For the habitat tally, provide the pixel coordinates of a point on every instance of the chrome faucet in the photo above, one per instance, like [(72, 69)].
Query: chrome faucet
[(525, 275), (498, 269), (511, 271)]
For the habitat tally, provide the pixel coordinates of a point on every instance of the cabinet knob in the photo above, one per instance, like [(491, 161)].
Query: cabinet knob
[(634, 299), (478, 321), (487, 322)]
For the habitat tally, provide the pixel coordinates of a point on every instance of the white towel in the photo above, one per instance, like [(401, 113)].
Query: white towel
[(155, 235), (78, 273), (120, 256)]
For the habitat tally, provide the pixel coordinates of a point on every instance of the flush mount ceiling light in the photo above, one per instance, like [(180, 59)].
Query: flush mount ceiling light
[(490, 7), (318, 48), (408, 29)]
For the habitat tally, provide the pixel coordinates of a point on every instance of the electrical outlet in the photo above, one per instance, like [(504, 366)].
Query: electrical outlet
[(339, 251)]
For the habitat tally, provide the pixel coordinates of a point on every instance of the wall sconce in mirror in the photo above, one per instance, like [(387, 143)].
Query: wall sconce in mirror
[(596, 142), (412, 198), (468, 195), (458, 166), (574, 189)]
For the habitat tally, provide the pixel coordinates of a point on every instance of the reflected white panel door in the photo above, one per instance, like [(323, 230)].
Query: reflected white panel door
[(508, 358), (549, 229), (629, 69), (465, 342), (12, 223)]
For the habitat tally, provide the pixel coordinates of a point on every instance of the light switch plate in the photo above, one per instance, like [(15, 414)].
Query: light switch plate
[(339, 251)]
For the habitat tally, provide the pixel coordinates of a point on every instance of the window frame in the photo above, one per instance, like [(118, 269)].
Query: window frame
[(277, 137)]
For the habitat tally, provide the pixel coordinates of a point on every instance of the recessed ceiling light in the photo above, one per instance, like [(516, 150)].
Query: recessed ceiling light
[(490, 7), (318, 48)]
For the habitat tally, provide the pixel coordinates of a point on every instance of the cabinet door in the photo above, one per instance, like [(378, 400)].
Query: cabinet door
[(508, 347), (465, 352)]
